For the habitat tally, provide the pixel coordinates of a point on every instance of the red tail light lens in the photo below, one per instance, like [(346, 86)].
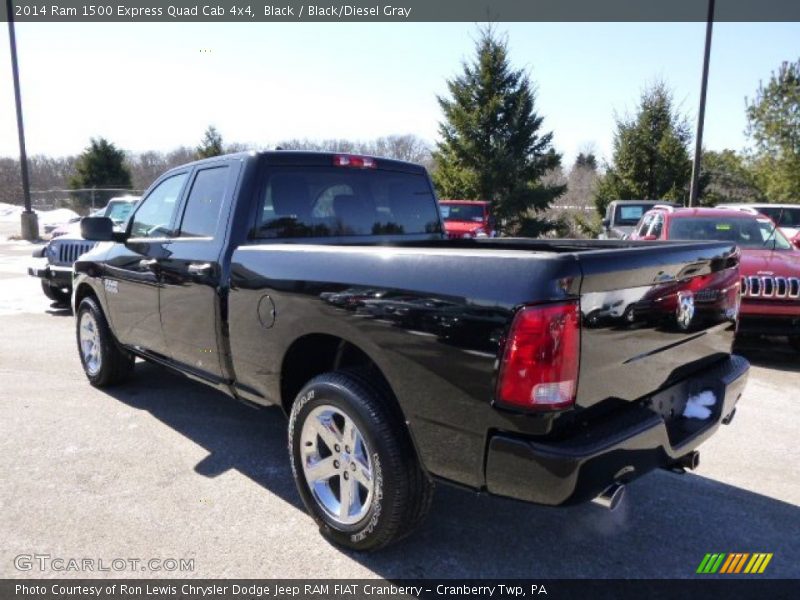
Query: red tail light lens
[(539, 369), (356, 162)]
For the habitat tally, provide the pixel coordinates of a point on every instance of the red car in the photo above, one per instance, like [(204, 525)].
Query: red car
[(769, 264), (467, 218)]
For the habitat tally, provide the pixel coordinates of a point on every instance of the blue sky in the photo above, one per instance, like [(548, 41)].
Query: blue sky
[(149, 86)]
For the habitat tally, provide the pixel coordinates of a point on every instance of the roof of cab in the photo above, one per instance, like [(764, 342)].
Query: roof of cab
[(307, 158)]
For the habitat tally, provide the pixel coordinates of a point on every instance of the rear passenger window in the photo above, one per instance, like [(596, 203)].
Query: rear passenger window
[(336, 201), (203, 206)]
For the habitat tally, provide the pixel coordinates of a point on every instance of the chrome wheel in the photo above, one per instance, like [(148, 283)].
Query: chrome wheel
[(337, 465), (90, 343)]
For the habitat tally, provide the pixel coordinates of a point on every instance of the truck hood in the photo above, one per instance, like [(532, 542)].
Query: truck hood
[(782, 263)]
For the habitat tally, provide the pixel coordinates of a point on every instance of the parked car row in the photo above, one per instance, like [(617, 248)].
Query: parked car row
[(67, 244)]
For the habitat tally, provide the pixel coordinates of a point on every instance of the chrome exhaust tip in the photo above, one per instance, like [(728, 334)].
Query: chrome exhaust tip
[(690, 461), (611, 497)]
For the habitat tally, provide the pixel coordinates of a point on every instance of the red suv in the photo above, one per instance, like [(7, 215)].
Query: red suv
[(769, 265), (467, 218)]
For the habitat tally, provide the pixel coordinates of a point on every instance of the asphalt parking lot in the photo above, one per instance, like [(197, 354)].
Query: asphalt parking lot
[(166, 468)]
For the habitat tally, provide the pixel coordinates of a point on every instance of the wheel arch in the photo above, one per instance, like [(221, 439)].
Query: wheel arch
[(83, 290), (312, 354)]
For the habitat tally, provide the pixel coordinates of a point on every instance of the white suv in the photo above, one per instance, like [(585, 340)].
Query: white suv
[(787, 216)]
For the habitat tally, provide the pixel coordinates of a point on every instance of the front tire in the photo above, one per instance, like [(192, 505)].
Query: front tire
[(57, 294), (104, 361), (353, 462)]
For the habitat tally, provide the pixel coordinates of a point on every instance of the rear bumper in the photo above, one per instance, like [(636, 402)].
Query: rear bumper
[(769, 325), (59, 276), (618, 449)]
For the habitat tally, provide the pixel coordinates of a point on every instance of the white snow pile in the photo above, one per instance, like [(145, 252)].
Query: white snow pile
[(10, 213)]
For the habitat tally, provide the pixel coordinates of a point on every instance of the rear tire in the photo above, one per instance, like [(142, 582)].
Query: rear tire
[(389, 492), (104, 361), (794, 342), (56, 294)]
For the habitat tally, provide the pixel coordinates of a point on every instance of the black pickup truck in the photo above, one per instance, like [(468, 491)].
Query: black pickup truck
[(551, 371)]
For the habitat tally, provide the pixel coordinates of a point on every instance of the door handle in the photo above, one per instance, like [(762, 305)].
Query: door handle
[(148, 263), (199, 268)]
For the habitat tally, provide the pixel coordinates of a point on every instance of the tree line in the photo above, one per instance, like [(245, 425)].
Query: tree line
[(494, 146)]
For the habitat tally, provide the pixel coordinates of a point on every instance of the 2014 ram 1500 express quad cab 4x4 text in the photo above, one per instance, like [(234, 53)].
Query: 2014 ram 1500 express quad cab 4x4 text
[(324, 283)]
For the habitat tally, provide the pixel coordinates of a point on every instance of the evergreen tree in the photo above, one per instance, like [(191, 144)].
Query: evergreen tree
[(773, 119), (651, 153), (491, 147), (726, 177), (586, 161), (211, 144), (102, 165)]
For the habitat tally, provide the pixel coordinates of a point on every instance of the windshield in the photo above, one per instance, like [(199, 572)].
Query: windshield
[(629, 214), (462, 212), (745, 232), (119, 211), (784, 217)]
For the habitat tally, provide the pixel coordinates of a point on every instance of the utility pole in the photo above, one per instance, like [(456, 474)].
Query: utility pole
[(29, 222), (701, 114)]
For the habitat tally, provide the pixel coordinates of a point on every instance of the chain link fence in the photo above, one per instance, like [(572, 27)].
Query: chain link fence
[(82, 201)]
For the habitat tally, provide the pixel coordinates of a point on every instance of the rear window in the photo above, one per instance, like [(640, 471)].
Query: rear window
[(335, 201), (745, 232), (630, 214), (462, 212), (784, 217), (119, 211)]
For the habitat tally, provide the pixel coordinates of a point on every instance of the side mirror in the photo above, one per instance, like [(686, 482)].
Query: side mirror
[(606, 223), (97, 229)]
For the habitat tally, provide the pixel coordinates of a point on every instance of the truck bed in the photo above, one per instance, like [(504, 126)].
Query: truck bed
[(433, 315)]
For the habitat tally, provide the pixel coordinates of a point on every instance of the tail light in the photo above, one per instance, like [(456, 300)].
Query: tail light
[(539, 369), (356, 162)]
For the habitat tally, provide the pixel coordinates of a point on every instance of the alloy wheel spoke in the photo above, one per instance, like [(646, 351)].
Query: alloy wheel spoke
[(362, 474), (321, 470), (348, 494), (327, 430)]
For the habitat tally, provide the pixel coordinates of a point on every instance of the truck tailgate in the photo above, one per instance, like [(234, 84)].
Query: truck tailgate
[(669, 312)]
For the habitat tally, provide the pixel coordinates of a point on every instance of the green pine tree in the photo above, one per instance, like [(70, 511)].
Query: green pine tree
[(102, 165), (726, 177), (491, 147), (211, 144), (651, 153), (773, 119), (586, 160)]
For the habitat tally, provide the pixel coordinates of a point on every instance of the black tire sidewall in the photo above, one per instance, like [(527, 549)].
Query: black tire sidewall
[(348, 398)]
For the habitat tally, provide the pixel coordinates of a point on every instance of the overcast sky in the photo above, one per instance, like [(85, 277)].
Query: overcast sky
[(157, 86)]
